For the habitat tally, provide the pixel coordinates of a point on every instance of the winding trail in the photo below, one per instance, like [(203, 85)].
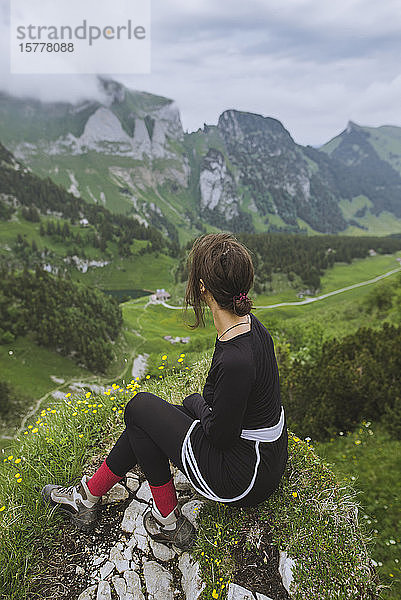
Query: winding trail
[(315, 299), (134, 357)]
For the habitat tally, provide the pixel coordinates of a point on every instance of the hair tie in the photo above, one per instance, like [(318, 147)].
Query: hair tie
[(242, 296)]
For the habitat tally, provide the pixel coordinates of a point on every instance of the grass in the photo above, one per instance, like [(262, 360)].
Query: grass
[(372, 461), (311, 515)]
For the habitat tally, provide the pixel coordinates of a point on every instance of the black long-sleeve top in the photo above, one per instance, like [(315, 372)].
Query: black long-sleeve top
[(242, 388)]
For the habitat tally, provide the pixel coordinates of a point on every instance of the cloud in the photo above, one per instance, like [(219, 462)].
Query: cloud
[(311, 64)]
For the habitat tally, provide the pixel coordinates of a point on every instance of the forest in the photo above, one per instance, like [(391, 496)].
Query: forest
[(70, 318), (304, 256)]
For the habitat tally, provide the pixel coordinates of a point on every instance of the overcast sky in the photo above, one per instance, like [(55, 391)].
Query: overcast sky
[(312, 64)]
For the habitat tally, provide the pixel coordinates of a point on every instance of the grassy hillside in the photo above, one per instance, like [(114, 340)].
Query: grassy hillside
[(372, 461), (311, 515)]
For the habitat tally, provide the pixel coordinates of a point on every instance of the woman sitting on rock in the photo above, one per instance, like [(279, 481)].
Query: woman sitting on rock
[(231, 441)]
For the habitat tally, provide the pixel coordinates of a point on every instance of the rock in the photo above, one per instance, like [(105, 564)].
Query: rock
[(116, 494), (122, 564), (237, 592), (181, 482), (133, 483), (262, 597), (98, 560), (131, 513), (191, 581), (88, 594), (141, 535), (79, 570), (106, 569), (191, 511), (127, 553), (104, 591), (161, 551), (285, 567), (159, 582), (134, 585), (120, 586), (144, 492), (134, 565)]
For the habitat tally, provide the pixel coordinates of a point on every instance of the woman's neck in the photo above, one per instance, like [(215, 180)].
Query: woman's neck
[(223, 319)]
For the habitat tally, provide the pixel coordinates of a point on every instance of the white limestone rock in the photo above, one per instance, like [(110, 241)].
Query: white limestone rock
[(262, 597), (97, 560), (88, 594), (120, 585), (127, 552), (131, 513), (285, 567), (144, 492), (141, 535), (191, 581), (237, 592), (161, 551), (117, 493), (159, 582), (104, 591), (134, 585), (181, 482), (217, 186), (133, 483), (106, 569), (122, 564), (191, 511)]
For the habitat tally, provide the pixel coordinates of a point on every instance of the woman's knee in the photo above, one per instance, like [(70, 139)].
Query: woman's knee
[(135, 407)]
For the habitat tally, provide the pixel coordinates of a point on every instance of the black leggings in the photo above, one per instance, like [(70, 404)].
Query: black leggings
[(154, 433)]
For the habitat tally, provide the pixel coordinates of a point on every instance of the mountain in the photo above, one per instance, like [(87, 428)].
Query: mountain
[(372, 158), (129, 153)]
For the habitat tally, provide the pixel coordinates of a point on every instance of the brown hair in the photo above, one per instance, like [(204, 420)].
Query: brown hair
[(225, 266)]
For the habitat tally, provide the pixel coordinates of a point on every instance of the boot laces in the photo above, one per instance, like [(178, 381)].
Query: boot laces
[(69, 489)]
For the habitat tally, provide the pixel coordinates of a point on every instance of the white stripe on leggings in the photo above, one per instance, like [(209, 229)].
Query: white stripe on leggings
[(189, 460), (266, 434)]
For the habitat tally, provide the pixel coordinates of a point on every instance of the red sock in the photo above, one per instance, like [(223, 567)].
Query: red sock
[(165, 497), (102, 481)]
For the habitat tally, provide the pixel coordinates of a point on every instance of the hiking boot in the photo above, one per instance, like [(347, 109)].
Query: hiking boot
[(174, 529), (76, 500)]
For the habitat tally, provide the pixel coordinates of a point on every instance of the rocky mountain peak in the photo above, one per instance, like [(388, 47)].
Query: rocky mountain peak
[(114, 91)]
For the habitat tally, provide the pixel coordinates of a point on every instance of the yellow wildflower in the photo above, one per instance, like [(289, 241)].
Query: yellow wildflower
[(74, 414), (94, 411), (164, 357), (182, 355), (2, 508), (88, 394), (215, 594), (19, 480), (147, 377), (296, 439), (68, 395), (17, 460), (81, 435), (357, 442), (295, 494), (35, 430), (161, 367), (10, 457)]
